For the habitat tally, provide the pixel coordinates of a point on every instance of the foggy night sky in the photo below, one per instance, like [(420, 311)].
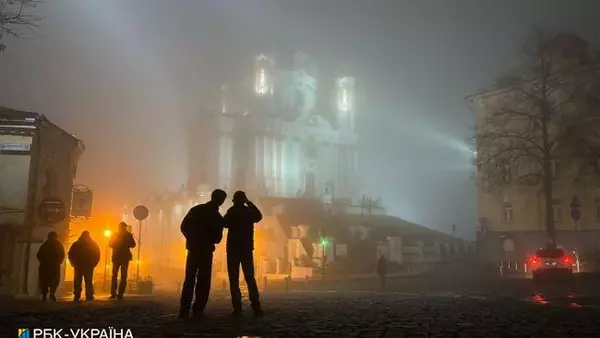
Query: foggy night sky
[(121, 75)]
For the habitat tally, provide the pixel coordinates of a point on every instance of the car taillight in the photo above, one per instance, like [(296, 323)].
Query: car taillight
[(534, 261), (567, 260)]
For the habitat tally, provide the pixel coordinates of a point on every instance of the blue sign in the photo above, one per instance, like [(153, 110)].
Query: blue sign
[(14, 147)]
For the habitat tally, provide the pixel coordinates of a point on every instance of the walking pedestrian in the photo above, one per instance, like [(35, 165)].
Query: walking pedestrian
[(51, 255), (84, 256), (121, 244), (382, 270)]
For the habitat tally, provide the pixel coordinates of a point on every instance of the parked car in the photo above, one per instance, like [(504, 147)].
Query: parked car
[(551, 262)]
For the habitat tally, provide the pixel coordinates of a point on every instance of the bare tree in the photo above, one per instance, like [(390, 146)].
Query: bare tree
[(16, 18), (541, 120)]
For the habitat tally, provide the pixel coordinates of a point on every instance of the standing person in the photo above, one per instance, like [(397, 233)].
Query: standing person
[(382, 270), (239, 221), (84, 256), (202, 228), (121, 244), (50, 255)]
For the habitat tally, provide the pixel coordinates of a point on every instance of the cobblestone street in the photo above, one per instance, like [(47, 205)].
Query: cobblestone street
[(325, 314)]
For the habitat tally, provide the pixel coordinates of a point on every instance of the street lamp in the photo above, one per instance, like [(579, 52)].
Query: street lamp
[(107, 234), (324, 243)]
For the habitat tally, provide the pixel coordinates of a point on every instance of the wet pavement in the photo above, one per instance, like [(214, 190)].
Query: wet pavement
[(523, 309)]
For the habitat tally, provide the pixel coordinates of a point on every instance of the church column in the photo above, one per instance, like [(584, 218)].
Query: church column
[(298, 168), (355, 172), (267, 164), (275, 164), (258, 159)]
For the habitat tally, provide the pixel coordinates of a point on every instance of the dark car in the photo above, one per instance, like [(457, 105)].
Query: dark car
[(551, 263)]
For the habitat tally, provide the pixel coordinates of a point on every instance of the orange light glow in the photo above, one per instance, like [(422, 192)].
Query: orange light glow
[(107, 233)]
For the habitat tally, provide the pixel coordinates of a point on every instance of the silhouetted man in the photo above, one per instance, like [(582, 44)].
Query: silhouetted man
[(84, 256), (121, 243), (50, 255), (382, 270), (202, 228), (239, 221)]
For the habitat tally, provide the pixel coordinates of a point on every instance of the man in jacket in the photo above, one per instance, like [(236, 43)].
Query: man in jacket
[(84, 256), (50, 255), (239, 220), (121, 244), (202, 228)]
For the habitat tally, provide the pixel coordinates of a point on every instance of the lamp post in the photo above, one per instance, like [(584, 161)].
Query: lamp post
[(575, 216), (107, 234), (323, 246)]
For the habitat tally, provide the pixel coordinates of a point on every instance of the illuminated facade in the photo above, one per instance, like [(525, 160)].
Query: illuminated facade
[(284, 140), (279, 136)]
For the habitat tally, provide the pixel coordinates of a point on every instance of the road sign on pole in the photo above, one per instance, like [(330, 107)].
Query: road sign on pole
[(140, 213), (575, 202)]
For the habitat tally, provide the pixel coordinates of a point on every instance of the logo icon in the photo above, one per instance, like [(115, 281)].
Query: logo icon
[(23, 333)]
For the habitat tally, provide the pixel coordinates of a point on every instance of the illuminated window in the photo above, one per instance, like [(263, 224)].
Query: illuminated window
[(261, 83), (344, 97)]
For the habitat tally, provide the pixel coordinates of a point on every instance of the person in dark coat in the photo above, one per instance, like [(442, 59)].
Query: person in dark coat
[(382, 270), (202, 228), (50, 255), (84, 256), (121, 244), (239, 220)]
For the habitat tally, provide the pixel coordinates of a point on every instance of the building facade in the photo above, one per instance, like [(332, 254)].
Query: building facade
[(512, 218), (284, 136), (38, 160)]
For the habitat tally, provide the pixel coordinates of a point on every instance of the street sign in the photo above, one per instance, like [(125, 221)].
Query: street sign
[(575, 202), (140, 212), (575, 214), (81, 206), (52, 210)]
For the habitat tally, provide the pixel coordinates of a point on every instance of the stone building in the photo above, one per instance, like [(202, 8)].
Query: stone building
[(38, 160), (511, 219)]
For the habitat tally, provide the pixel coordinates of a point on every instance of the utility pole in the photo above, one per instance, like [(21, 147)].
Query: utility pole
[(575, 216)]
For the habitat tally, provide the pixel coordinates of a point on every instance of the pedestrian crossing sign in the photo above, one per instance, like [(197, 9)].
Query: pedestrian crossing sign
[(23, 333)]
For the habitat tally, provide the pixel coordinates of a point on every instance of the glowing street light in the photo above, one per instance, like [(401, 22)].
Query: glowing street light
[(107, 233)]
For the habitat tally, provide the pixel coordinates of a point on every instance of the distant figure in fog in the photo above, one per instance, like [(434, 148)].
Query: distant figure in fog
[(239, 221), (382, 270), (202, 228), (121, 243), (50, 255), (84, 256)]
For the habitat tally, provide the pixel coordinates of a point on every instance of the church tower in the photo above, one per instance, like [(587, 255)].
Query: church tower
[(264, 67)]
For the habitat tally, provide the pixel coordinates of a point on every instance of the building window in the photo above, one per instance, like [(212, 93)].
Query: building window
[(507, 213), (508, 173), (557, 211), (555, 169)]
